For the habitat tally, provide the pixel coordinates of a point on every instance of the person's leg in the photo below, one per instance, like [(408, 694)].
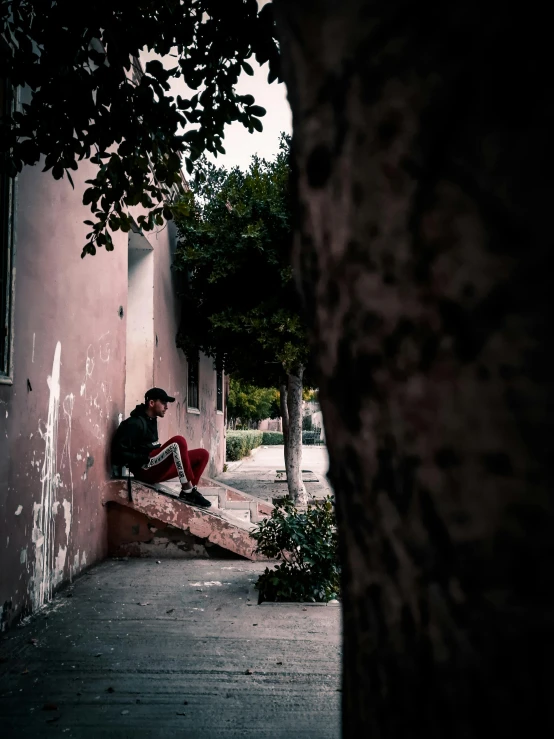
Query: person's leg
[(172, 460), (169, 461), (198, 460)]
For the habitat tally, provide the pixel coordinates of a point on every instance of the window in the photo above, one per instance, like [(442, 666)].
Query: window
[(193, 373), (219, 390), (7, 199)]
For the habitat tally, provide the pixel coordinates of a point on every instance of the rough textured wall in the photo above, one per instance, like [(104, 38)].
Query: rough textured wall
[(68, 395), (55, 419)]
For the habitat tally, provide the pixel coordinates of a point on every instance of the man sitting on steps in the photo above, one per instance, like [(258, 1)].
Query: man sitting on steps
[(136, 446)]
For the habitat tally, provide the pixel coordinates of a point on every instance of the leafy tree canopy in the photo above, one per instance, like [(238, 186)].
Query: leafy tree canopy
[(250, 403), (84, 95), (240, 302)]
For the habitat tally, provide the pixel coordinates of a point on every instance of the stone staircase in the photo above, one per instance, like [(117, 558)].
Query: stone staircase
[(227, 523), (230, 502)]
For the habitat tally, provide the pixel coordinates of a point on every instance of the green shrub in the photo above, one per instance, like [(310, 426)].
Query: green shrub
[(240, 443), (306, 542), (272, 438), (307, 423)]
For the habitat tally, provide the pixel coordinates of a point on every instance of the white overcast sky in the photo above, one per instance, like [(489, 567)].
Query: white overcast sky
[(240, 145)]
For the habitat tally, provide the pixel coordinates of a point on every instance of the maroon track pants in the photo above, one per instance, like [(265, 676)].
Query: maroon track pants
[(174, 459)]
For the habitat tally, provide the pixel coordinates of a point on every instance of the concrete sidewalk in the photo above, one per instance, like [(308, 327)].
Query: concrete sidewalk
[(256, 474), (137, 650)]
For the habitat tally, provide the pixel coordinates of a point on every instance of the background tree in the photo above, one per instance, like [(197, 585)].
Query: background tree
[(240, 303), (423, 155), (251, 404), (84, 96)]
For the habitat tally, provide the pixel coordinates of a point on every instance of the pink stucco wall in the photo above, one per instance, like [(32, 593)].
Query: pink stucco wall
[(57, 418)]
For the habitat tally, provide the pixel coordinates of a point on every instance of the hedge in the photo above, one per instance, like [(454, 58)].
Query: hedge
[(276, 437), (241, 443), (272, 437)]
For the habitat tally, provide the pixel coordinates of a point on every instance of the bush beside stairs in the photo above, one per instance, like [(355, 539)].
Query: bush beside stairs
[(227, 523)]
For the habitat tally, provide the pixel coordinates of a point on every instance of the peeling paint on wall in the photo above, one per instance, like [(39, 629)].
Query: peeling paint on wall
[(67, 506), (43, 520), (59, 565)]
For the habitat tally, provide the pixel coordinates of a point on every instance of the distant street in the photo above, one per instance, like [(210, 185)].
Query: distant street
[(258, 473)]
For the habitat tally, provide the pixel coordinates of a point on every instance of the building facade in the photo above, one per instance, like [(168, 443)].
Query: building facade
[(83, 339)]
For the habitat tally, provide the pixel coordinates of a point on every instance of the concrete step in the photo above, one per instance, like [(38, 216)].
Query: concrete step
[(214, 499), (228, 522), (231, 500), (229, 529), (242, 514)]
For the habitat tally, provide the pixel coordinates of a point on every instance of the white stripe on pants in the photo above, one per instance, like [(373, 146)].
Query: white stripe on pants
[(164, 454)]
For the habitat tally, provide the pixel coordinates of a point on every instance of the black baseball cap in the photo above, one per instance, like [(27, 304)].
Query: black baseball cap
[(156, 393)]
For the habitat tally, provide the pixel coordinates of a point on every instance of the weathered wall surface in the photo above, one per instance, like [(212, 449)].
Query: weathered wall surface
[(55, 420), (68, 394), (207, 428), (131, 534)]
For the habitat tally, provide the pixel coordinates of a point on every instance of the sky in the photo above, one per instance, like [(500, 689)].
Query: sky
[(240, 145)]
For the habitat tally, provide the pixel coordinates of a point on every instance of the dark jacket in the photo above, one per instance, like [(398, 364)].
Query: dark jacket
[(134, 439)]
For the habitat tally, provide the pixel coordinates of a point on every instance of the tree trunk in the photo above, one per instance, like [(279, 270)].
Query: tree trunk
[(293, 447), (423, 155), (283, 391)]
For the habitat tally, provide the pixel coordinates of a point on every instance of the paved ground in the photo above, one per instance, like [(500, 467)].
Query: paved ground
[(178, 649), (256, 474)]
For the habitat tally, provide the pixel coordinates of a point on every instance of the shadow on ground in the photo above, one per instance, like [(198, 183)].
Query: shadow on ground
[(176, 649)]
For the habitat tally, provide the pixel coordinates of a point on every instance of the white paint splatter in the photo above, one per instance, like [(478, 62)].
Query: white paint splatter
[(68, 405), (67, 506), (104, 348), (23, 556), (18, 510), (43, 520), (59, 566)]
